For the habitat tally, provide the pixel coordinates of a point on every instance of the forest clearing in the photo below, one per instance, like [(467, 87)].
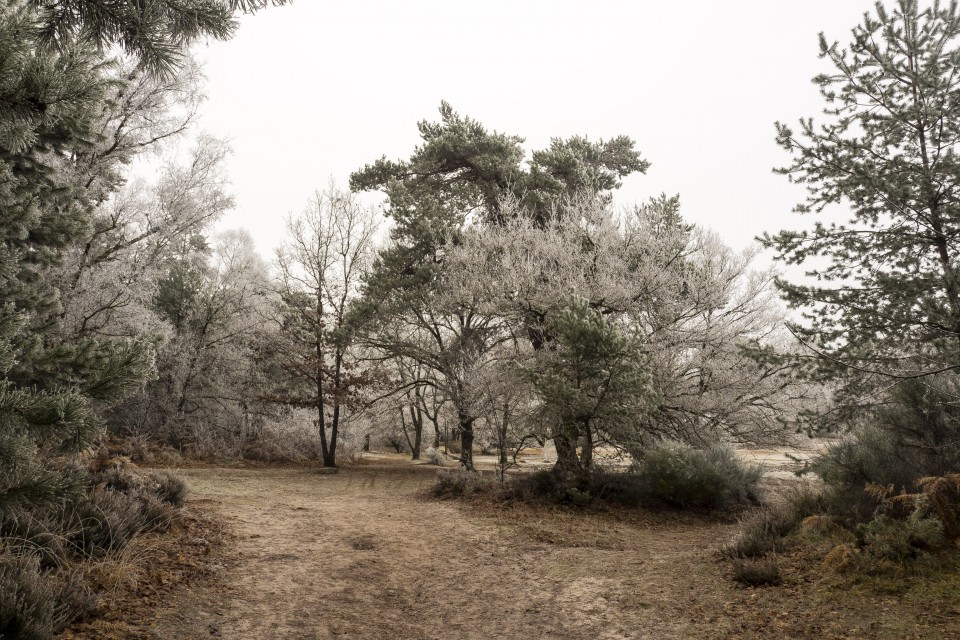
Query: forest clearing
[(499, 377), (364, 553)]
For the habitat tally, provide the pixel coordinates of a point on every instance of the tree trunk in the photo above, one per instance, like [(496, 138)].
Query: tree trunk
[(586, 454), (321, 418), (567, 459), (502, 435), (417, 418), (330, 458), (406, 434), (466, 441)]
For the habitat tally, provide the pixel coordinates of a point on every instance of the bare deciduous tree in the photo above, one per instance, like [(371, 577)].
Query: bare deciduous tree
[(329, 249)]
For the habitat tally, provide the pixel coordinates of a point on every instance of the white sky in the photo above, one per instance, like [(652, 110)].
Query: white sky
[(319, 88)]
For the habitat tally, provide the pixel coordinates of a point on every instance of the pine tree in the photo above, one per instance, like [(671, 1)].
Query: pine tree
[(882, 300), (53, 83), (153, 31), (463, 172), (593, 381)]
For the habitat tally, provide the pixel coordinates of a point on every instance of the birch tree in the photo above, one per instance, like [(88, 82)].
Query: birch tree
[(328, 250)]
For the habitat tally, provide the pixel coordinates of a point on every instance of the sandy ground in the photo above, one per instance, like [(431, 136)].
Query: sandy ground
[(361, 555)]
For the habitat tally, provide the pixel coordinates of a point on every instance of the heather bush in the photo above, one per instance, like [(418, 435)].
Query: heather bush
[(760, 532), (677, 475), (170, 488), (454, 483), (756, 572), (39, 592), (36, 603)]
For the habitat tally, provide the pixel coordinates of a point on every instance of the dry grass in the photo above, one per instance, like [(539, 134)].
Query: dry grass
[(369, 540)]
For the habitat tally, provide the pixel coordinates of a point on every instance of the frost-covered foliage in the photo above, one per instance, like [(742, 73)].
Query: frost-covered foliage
[(705, 317)]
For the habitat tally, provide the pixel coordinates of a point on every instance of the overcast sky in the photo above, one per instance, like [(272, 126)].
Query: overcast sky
[(319, 88)]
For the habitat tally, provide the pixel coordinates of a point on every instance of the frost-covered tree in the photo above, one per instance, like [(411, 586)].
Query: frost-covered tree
[(109, 280), (59, 93), (328, 250), (216, 302), (463, 173), (700, 309), (49, 389)]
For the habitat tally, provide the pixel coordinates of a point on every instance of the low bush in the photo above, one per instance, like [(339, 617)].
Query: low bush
[(47, 551), (916, 436), (170, 488), (455, 483), (106, 521), (555, 487), (764, 530), (540, 486), (617, 487), (760, 532), (677, 475), (671, 475), (887, 538), (435, 457), (37, 603), (757, 572)]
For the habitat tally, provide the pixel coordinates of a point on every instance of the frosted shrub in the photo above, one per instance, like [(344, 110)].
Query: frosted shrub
[(676, 475)]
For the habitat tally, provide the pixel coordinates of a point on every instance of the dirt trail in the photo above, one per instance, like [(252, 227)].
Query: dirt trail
[(360, 555)]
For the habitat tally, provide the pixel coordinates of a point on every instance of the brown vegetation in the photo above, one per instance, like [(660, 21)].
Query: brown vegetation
[(364, 554)]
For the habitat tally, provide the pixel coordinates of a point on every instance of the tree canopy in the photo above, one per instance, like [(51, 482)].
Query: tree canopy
[(882, 296)]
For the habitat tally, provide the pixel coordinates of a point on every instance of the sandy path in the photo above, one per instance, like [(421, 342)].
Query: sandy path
[(360, 555)]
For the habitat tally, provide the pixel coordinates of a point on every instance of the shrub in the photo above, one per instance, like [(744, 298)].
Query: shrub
[(435, 457), (170, 488), (555, 487), (546, 485), (672, 475), (620, 488), (106, 521), (92, 528), (763, 531), (917, 436), (267, 451), (460, 482), (35, 604), (39, 531), (802, 501), (889, 539), (760, 532), (677, 475), (757, 572)]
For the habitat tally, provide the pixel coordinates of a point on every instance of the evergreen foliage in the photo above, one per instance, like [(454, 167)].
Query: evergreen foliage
[(153, 31), (594, 380), (461, 170), (883, 293), (57, 89), (48, 388), (916, 435)]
